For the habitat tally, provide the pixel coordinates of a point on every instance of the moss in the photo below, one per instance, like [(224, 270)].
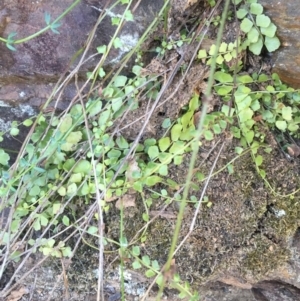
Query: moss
[(265, 257)]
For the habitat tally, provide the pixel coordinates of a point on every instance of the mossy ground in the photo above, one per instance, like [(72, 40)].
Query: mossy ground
[(241, 230)]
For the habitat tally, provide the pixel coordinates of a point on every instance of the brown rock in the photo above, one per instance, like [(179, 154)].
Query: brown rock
[(285, 15)]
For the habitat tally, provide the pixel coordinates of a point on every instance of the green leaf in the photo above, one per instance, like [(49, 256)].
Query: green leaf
[(165, 158), (150, 273), (164, 143), (56, 208), (263, 20), (263, 78), (47, 17), (226, 110), (287, 113), (163, 170), (186, 119), (14, 131), (228, 57), (83, 166), (238, 150), (10, 38), (146, 260), (115, 20), (152, 180), (217, 129), (117, 43), (122, 143), (66, 220), (241, 93), (178, 160), (272, 44), (230, 169), (256, 9), (223, 90), (177, 148), (138, 186), (245, 115), (269, 31), (255, 48), (136, 69), (34, 191), (76, 178), (208, 135), (90, 75), (246, 25), (150, 141), (258, 160), (62, 191), (114, 154), (176, 131), (253, 35), (116, 103), (74, 137), (244, 104), (166, 123), (220, 59), (27, 122), (54, 26), (241, 13), (223, 47), (94, 107), (145, 217), (136, 251), (212, 49), (255, 105), (281, 125), (10, 47), (153, 152), (4, 157), (160, 278), (236, 2), (194, 103), (101, 49), (104, 117), (136, 265), (244, 79), (262, 173), (69, 163), (202, 54), (128, 16), (44, 222), (67, 252), (249, 136), (223, 77), (72, 189), (66, 123), (92, 230), (155, 265), (120, 81), (293, 127), (223, 124)]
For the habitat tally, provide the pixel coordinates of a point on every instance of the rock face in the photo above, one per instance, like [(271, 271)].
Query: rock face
[(27, 75), (48, 55), (285, 15)]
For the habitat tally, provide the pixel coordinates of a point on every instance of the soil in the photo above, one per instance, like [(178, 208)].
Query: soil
[(246, 232)]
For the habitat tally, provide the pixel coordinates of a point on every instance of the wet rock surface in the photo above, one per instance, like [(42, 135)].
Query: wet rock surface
[(28, 75), (285, 15)]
